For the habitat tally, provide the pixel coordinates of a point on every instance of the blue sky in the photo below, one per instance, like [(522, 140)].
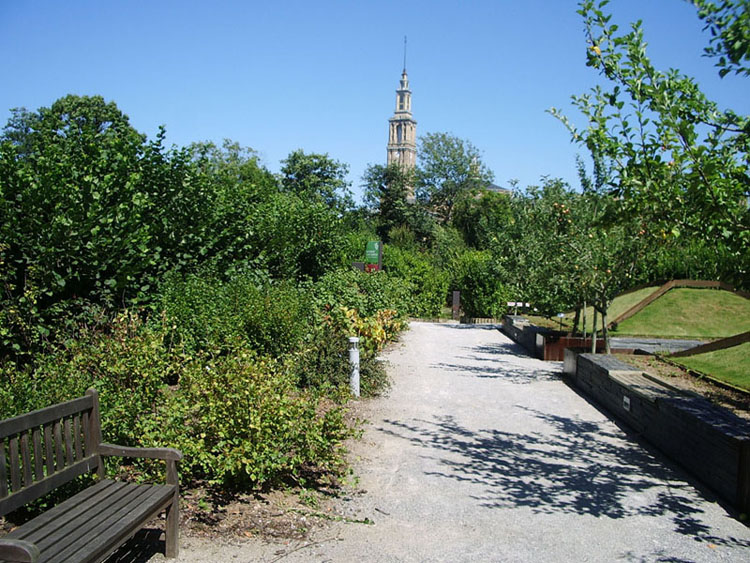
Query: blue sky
[(321, 76)]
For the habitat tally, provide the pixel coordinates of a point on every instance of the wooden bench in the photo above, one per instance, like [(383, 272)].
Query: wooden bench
[(47, 448)]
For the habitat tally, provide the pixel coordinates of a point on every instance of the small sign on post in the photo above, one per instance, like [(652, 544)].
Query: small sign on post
[(373, 256)]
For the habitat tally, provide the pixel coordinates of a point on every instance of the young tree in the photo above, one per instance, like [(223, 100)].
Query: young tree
[(449, 169), (672, 155)]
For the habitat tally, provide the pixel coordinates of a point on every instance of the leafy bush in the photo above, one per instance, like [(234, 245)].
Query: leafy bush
[(324, 364), (482, 292), (240, 420), (429, 285), (368, 293), (210, 314), (298, 238), (128, 363)]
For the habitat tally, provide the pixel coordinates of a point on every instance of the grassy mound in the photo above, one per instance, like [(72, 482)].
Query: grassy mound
[(731, 364), (690, 313), (620, 304)]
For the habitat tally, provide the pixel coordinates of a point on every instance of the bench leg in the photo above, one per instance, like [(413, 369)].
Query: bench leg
[(173, 528)]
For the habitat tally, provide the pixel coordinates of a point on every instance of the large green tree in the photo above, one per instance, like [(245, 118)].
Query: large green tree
[(385, 193), (317, 176), (72, 203), (449, 169)]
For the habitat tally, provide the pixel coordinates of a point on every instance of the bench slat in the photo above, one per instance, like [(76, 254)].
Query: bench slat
[(93, 523), (87, 447), (18, 424), (25, 496), (74, 523), (49, 456), (77, 436), (36, 438), (119, 524), (3, 472), (26, 459), (33, 526), (59, 457), (15, 469), (68, 439), (117, 510)]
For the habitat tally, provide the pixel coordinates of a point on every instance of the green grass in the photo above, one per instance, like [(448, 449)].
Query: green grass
[(620, 304), (691, 313), (731, 364)]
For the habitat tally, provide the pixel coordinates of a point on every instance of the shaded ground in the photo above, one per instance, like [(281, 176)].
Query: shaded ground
[(483, 454)]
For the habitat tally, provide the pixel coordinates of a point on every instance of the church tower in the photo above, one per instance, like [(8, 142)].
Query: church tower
[(402, 129)]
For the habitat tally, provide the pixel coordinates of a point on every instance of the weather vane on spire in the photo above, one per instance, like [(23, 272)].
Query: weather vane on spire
[(404, 53)]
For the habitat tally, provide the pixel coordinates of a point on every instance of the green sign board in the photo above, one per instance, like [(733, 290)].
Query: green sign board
[(372, 253)]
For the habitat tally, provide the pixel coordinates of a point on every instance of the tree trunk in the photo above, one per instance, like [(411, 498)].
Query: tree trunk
[(584, 320), (605, 331), (575, 320), (593, 334)]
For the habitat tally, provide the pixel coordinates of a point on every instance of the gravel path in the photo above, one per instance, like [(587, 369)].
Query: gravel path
[(480, 453)]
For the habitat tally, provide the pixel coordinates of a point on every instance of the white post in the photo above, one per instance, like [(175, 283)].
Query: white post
[(354, 365)]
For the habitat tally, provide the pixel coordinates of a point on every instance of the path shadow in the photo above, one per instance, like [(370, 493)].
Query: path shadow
[(496, 361), (512, 374), (573, 466), (505, 348)]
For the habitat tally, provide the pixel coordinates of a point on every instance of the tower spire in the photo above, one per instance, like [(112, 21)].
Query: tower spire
[(404, 53), (402, 130)]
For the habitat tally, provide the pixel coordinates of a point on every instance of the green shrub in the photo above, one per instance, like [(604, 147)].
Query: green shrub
[(368, 293), (325, 364), (240, 420), (207, 313), (482, 292), (128, 363), (429, 285)]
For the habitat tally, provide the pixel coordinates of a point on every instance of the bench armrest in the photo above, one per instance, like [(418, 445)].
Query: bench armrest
[(18, 550), (169, 454)]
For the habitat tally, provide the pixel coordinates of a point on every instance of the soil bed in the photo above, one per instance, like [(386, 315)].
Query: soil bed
[(735, 401)]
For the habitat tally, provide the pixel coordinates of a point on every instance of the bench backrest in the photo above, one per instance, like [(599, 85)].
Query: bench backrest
[(43, 449)]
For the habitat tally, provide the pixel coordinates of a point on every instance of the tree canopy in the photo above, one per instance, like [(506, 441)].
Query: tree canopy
[(317, 176), (449, 168), (674, 157)]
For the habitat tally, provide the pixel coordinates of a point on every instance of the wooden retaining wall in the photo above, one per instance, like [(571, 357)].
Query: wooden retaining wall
[(708, 441), (544, 343), (735, 340)]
